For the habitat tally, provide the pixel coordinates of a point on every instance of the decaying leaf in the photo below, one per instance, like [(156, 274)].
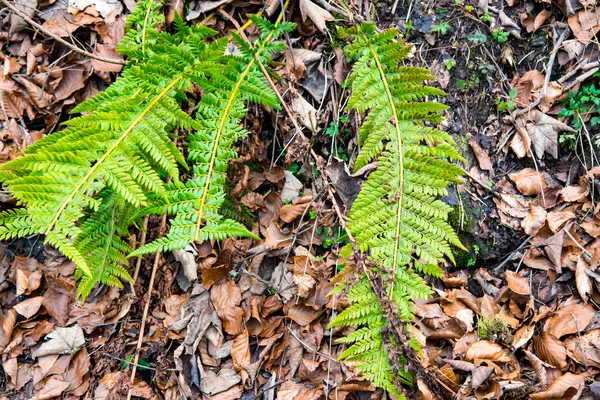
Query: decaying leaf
[(319, 16), (61, 341)]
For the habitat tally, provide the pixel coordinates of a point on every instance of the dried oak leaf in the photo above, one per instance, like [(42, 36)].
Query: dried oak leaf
[(567, 387), (550, 349)]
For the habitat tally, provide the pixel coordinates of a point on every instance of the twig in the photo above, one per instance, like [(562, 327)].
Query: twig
[(309, 348), (549, 67), (138, 263), (483, 185), (57, 38), (510, 257)]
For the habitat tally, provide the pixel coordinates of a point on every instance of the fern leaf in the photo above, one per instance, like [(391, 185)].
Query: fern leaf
[(397, 217)]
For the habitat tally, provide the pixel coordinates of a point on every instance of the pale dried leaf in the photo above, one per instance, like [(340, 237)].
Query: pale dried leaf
[(61, 341), (582, 279), (319, 16), (534, 221)]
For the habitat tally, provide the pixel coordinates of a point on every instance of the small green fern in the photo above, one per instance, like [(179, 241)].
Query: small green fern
[(397, 217), (197, 203)]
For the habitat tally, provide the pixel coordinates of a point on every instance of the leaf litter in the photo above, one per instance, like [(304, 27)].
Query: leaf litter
[(250, 319)]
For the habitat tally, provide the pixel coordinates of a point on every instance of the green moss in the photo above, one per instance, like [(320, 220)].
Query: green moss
[(493, 329)]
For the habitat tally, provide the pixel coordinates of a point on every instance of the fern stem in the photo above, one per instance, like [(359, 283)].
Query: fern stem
[(108, 153), (148, 11), (399, 152)]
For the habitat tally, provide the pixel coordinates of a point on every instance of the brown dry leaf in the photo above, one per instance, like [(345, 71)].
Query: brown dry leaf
[(550, 349), (582, 279), (585, 24), (486, 350), (557, 219), (528, 87), (53, 388), (72, 80), (289, 212), (567, 387), (529, 182), (232, 318), (585, 349), (29, 307), (302, 314), (225, 294), (296, 391), (240, 351), (319, 16), (576, 192), (534, 221), (553, 248), (483, 158), (517, 283), (532, 23), (480, 375), (591, 227), (41, 99), (107, 51), (573, 318), (523, 335), (442, 76)]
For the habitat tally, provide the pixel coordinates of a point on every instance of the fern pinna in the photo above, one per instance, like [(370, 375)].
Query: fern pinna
[(398, 217), (196, 204), (116, 156)]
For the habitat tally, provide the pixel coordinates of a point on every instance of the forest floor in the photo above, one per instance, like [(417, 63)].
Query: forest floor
[(516, 317)]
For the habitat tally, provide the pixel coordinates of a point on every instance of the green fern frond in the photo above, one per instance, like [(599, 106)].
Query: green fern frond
[(197, 203), (397, 218), (122, 144)]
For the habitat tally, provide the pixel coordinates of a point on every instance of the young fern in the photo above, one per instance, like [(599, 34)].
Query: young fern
[(398, 217), (197, 203)]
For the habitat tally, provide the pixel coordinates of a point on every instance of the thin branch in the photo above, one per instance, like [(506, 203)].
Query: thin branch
[(31, 22)]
